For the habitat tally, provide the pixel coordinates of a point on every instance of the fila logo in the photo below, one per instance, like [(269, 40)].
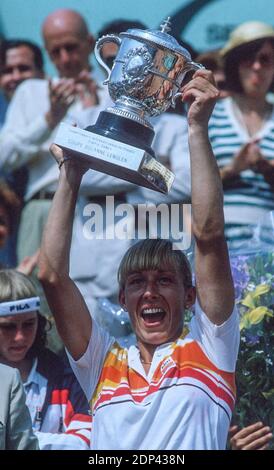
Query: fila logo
[(19, 308)]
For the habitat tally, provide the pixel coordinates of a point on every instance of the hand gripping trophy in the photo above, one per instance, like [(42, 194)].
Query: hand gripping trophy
[(147, 73)]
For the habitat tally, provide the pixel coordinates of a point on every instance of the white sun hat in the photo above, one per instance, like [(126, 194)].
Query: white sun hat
[(245, 33)]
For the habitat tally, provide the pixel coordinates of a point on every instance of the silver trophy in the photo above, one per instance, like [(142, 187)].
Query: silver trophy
[(147, 73)]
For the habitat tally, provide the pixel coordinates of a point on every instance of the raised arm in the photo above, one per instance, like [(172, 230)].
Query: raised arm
[(66, 302), (213, 276)]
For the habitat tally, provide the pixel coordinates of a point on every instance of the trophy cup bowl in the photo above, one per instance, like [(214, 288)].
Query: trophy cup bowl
[(147, 73)]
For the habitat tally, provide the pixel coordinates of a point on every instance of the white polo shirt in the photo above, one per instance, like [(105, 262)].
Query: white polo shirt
[(184, 403)]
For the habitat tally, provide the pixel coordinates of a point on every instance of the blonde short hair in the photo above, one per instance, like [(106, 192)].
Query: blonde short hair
[(154, 254), (15, 286)]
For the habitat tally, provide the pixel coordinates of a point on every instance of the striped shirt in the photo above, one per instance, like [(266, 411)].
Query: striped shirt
[(57, 405), (247, 197), (185, 401)]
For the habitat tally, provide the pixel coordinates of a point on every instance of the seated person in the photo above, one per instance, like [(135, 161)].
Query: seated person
[(15, 424), (57, 405)]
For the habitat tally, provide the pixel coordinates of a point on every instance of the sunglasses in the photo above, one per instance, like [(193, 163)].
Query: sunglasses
[(266, 60)]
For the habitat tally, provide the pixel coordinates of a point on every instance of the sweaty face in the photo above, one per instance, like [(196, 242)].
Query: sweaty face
[(18, 67), (256, 72), (17, 334), (155, 301), (69, 53), (4, 226)]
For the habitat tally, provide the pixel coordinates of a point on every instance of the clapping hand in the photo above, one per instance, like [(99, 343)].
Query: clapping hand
[(86, 89), (61, 96)]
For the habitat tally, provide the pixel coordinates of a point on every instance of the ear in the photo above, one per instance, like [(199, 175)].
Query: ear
[(122, 298), (190, 296)]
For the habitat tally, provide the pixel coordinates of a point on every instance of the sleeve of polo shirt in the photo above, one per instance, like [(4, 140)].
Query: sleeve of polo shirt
[(219, 342), (88, 368)]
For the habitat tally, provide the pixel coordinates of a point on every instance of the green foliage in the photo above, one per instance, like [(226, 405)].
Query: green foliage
[(255, 366)]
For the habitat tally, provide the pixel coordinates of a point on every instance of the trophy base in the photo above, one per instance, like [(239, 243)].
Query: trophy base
[(108, 150), (124, 130)]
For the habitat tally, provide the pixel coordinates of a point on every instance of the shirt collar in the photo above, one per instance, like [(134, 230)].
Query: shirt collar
[(33, 376)]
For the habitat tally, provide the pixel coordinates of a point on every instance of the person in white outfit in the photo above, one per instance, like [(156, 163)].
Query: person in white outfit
[(36, 110)]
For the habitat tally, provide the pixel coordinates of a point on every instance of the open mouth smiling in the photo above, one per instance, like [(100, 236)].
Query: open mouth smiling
[(153, 315)]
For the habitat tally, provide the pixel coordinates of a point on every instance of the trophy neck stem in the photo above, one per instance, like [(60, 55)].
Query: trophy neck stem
[(129, 110)]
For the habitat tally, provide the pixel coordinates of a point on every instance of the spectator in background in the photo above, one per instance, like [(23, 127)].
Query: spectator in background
[(57, 405), (241, 130), (15, 424), (37, 108), (19, 60)]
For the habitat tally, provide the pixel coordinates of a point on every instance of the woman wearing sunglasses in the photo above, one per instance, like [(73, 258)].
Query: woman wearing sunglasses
[(241, 130)]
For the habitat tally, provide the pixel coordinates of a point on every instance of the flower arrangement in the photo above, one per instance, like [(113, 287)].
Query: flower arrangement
[(253, 276)]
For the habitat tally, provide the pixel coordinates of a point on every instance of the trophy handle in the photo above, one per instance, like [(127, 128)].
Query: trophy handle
[(190, 66), (195, 66), (97, 51)]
